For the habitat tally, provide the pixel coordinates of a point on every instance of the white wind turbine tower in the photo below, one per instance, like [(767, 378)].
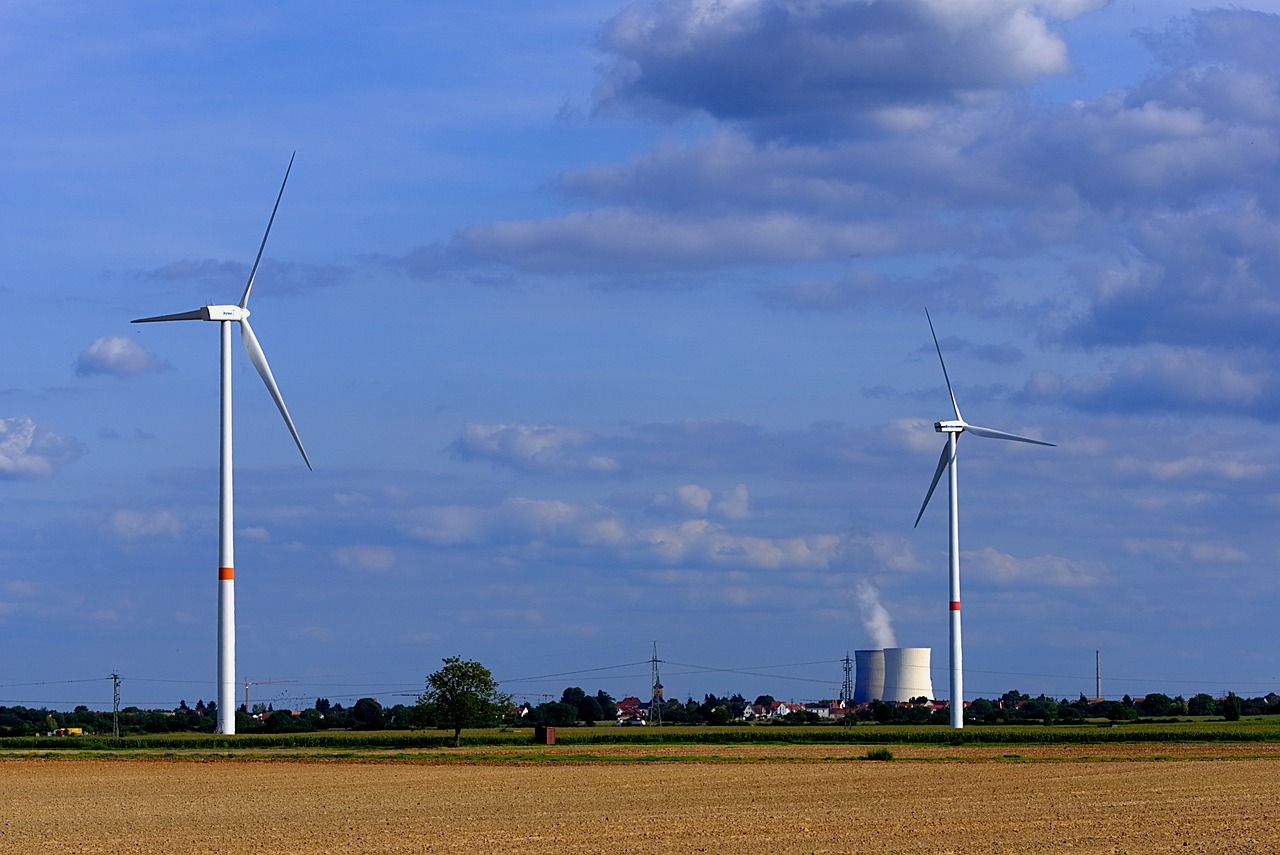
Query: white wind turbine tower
[(226, 316), (953, 428)]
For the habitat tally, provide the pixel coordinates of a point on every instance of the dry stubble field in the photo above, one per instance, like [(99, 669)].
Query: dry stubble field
[(1113, 798)]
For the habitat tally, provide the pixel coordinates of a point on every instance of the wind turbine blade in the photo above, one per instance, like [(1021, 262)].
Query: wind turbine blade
[(244, 301), (259, 360), (990, 433), (945, 376), (194, 315), (943, 461)]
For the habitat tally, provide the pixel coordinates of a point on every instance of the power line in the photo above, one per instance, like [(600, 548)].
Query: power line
[(573, 673), (53, 682)]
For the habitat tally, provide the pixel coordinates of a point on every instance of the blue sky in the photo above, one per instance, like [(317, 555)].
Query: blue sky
[(603, 325)]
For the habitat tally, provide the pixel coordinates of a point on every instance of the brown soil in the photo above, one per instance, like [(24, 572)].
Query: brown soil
[(1215, 798)]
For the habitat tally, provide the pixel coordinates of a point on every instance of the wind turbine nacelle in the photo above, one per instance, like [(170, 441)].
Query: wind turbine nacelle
[(951, 426), (224, 313)]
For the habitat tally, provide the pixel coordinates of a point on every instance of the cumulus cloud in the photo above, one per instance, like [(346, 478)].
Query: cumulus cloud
[(879, 551), (733, 504), (1202, 278), (617, 239), (537, 523), (957, 287), (532, 448), (784, 67), (117, 355), (704, 542), (694, 498), (1197, 552), (255, 533), (1206, 467), (1168, 379), (1041, 570), (30, 451), (137, 525), (515, 521), (1163, 193), (214, 276), (684, 447), (365, 558)]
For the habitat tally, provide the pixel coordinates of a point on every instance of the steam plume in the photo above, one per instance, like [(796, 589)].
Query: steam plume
[(875, 617)]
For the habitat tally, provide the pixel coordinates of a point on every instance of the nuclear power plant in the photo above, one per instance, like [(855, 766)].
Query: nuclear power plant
[(894, 674), (869, 680)]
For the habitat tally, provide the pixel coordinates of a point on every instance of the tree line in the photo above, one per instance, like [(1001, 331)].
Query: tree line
[(1015, 707), (464, 694)]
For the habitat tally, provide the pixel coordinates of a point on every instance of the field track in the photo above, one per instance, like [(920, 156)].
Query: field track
[(621, 799)]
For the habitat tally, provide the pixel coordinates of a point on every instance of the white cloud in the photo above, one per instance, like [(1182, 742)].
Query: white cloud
[(531, 448), (30, 451), (135, 525), (1041, 570), (693, 498), (312, 633), (704, 542), (1170, 379), (647, 241), (789, 67), (700, 501), (1198, 552), (365, 558), (734, 504), (522, 522), (119, 356), (515, 521)]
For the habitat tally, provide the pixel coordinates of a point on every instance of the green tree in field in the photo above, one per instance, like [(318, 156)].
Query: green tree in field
[(1043, 709), (463, 694), (1157, 704), (608, 709), (367, 714), (1231, 707), (552, 714), (882, 711), (1202, 704), (589, 710), (981, 710), (1121, 711)]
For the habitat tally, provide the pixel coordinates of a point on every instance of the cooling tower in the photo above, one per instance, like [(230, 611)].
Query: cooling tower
[(869, 685), (906, 674)]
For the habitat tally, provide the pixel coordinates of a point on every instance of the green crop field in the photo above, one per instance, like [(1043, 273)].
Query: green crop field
[(1260, 729)]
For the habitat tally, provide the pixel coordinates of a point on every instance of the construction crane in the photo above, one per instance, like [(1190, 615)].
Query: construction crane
[(248, 683)]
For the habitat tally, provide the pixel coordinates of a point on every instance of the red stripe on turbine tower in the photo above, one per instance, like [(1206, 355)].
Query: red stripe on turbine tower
[(955, 605), (226, 574)]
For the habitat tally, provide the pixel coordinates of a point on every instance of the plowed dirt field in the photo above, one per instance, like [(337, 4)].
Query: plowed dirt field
[(774, 799)]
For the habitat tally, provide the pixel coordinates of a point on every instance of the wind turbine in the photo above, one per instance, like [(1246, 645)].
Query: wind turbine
[(226, 316), (953, 428)]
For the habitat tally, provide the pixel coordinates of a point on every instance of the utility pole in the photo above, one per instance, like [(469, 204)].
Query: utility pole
[(248, 683), (1097, 666), (115, 705), (656, 701), (846, 692)]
